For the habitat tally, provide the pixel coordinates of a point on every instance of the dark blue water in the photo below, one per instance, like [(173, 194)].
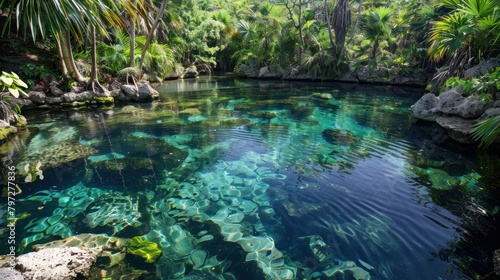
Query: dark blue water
[(243, 179)]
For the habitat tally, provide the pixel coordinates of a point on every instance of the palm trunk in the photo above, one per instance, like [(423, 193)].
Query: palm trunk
[(68, 57), (327, 14), (132, 40), (64, 70), (151, 32), (94, 82), (93, 51)]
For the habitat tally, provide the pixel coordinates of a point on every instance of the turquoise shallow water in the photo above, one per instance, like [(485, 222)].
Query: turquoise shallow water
[(243, 179)]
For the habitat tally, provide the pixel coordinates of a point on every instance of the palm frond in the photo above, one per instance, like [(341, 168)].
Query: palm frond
[(487, 131)]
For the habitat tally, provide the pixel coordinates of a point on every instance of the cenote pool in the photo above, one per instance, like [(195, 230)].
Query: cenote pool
[(225, 178)]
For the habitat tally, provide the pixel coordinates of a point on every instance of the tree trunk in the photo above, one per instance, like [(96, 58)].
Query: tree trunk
[(132, 40), (150, 34), (341, 21), (68, 57), (94, 82), (327, 14), (64, 70)]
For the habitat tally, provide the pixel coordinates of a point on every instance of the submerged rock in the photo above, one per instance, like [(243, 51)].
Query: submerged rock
[(458, 128), (339, 136), (57, 263)]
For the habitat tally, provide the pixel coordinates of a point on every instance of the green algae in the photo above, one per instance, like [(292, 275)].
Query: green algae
[(148, 250)]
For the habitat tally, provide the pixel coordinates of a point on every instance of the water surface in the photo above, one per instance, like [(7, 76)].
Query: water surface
[(244, 179)]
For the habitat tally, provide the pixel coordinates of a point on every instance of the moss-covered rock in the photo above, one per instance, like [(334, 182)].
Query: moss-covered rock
[(104, 99), (190, 112), (301, 112), (5, 132), (143, 248), (263, 115), (339, 136), (235, 122)]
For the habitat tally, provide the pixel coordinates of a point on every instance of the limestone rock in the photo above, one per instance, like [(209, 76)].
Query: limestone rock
[(78, 97), (23, 103), (482, 68), (271, 72), (37, 97), (8, 273), (490, 113), (415, 79), (452, 102), (55, 91), (146, 92), (130, 92), (298, 73), (54, 100), (379, 75), (425, 108), (57, 263), (458, 128), (115, 84), (190, 73), (250, 68), (347, 77)]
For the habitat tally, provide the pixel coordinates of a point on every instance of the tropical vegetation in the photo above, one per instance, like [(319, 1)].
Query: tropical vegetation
[(152, 39)]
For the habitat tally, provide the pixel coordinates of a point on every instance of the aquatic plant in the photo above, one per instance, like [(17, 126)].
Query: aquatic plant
[(143, 248)]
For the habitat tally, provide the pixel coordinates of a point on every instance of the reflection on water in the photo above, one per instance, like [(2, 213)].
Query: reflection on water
[(242, 179)]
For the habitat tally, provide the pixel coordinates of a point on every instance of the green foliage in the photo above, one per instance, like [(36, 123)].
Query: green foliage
[(146, 249), (487, 131), (463, 37), (12, 83), (485, 85), (31, 72)]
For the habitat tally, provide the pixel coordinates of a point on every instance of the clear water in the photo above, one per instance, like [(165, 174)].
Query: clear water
[(243, 179)]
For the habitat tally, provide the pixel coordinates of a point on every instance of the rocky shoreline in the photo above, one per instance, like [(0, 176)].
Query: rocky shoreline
[(380, 75), (456, 112), (48, 95)]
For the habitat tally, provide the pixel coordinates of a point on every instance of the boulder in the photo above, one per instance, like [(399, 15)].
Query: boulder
[(55, 91), (451, 102), (458, 128), (54, 100), (347, 77), (115, 84), (37, 97), (270, 72), (489, 113), (425, 108), (57, 263), (378, 75), (250, 68), (146, 92), (143, 92), (482, 68), (298, 73), (71, 97), (190, 73), (414, 80), (11, 274), (23, 103)]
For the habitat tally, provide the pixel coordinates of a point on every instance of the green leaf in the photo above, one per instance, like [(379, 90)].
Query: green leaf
[(20, 83), (14, 92), (7, 81)]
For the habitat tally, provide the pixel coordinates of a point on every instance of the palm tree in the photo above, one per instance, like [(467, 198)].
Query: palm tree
[(376, 27), (487, 131), (465, 36), (159, 16), (59, 18)]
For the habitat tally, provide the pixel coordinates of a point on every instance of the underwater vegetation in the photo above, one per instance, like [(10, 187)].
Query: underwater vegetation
[(232, 185)]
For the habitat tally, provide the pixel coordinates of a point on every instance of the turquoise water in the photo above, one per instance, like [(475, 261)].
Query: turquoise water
[(244, 179)]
